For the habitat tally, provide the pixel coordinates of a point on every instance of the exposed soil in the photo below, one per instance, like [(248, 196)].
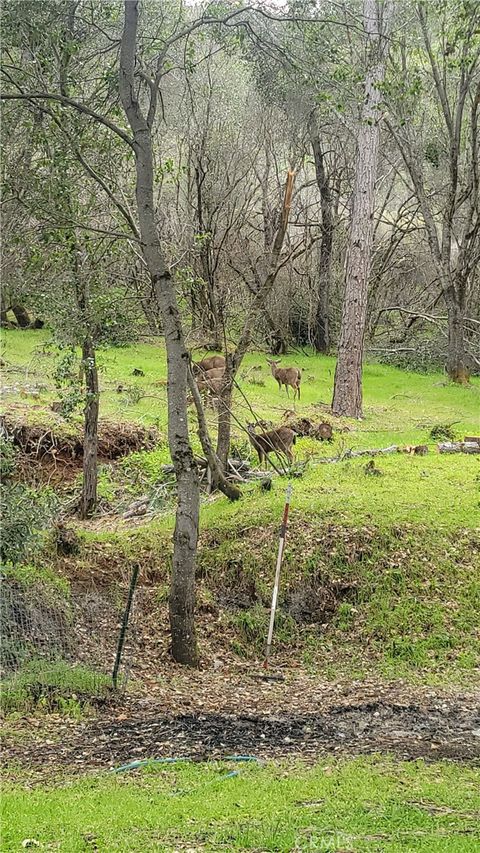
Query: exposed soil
[(231, 714), (54, 438)]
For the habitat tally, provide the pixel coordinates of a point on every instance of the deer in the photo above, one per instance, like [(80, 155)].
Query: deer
[(211, 381), (280, 439), (211, 362), (286, 376)]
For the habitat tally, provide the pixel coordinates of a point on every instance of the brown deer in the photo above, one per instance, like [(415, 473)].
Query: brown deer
[(280, 439), (286, 376), (211, 362), (211, 381)]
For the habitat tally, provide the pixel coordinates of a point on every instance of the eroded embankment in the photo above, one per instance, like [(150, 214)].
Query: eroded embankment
[(404, 598)]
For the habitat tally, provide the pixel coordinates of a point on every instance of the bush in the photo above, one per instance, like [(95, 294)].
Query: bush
[(7, 457), (26, 516)]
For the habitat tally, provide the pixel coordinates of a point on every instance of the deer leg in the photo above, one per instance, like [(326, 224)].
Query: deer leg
[(286, 386)]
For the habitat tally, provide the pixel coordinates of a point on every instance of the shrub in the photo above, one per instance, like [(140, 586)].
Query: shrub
[(26, 516), (7, 457)]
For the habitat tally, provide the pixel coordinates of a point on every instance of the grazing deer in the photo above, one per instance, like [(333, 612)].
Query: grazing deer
[(211, 362), (286, 376), (280, 439)]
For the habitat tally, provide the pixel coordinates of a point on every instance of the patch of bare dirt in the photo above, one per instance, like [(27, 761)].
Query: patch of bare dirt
[(212, 715), (54, 438)]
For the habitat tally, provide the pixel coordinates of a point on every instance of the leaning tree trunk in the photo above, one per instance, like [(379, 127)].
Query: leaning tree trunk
[(211, 319), (234, 360), (22, 316), (90, 437), (182, 589), (347, 394), (224, 408)]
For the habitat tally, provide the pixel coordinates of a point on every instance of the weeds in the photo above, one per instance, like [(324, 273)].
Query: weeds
[(56, 686)]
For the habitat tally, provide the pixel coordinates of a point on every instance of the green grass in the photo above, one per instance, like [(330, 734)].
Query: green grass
[(360, 805), (400, 408), (52, 686), (417, 577), (397, 404)]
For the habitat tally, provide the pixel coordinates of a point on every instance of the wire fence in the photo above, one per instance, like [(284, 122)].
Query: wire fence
[(66, 638)]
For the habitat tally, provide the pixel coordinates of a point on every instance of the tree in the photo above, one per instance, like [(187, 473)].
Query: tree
[(321, 333), (444, 137), (182, 590), (347, 394)]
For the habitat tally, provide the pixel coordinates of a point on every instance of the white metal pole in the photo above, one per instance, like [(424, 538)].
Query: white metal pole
[(281, 546)]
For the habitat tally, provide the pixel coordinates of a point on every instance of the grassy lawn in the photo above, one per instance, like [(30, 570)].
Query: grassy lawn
[(400, 408), (398, 405), (359, 805)]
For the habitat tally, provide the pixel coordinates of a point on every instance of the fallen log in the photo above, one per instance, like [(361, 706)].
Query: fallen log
[(474, 438), (459, 447), (353, 454)]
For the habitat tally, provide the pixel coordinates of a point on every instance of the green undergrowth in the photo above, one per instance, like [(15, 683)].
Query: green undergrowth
[(404, 600), (53, 686), (389, 560), (401, 598), (40, 577), (367, 804)]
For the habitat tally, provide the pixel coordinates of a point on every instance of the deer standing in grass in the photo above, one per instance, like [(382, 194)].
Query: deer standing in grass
[(280, 439), (286, 376)]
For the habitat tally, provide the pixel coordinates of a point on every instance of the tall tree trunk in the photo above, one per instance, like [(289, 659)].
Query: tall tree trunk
[(347, 394), (182, 590), (224, 414), (90, 437), (88, 367), (212, 318), (321, 332), (457, 367)]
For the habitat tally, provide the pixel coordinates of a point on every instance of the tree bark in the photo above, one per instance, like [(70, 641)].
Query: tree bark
[(321, 332), (211, 318), (182, 590), (234, 360), (90, 436), (347, 395), (22, 316), (457, 367), (224, 431), (219, 479)]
